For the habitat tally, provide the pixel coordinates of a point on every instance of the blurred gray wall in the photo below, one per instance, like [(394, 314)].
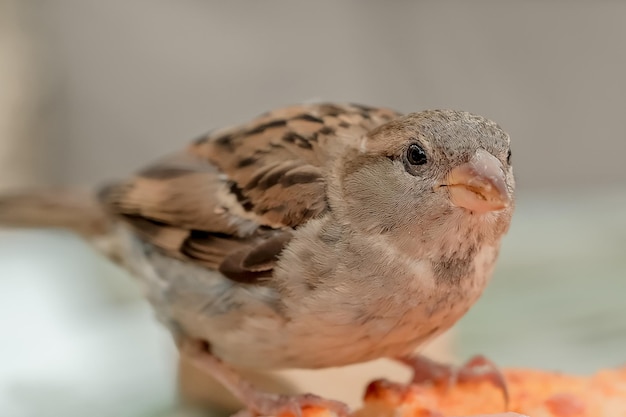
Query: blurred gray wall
[(19, 95), (128, 81)]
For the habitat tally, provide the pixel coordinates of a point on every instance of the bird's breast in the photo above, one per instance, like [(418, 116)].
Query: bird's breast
[(381, 304)]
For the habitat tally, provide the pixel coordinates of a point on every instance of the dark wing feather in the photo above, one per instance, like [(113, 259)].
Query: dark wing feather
[(231, 201)]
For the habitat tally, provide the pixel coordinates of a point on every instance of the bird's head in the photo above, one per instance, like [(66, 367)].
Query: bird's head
[(430, 179)]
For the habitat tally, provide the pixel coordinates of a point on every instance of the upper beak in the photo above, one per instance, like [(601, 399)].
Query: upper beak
[(479, 185)]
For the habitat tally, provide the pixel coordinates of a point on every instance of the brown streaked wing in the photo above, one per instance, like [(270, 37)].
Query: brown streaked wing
[(278, 159), (230, 201)]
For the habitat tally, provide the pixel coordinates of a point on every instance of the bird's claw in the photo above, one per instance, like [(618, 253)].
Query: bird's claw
[(479, 368)]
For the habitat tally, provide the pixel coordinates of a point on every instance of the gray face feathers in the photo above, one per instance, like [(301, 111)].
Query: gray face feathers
[(431, 173)]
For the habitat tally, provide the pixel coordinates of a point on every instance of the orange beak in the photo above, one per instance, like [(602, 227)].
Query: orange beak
[(479, 185)]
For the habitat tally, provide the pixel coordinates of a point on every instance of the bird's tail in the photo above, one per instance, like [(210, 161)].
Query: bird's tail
[(74, 210)]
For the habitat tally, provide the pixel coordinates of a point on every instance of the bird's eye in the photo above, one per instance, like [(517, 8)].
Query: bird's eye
[(416, 155), (508, 157)]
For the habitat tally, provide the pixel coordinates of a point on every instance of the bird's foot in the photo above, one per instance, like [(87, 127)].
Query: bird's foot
[(478, 368), (257, 402)]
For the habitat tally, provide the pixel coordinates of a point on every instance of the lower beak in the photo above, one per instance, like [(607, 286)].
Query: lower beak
[(479, 185)]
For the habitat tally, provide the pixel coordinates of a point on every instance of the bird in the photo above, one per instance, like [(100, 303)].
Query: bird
[(312, 236)]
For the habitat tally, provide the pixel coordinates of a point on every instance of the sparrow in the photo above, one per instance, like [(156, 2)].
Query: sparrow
[(312, 236)]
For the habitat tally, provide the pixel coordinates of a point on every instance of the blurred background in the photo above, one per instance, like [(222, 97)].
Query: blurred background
[(92, 90)]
